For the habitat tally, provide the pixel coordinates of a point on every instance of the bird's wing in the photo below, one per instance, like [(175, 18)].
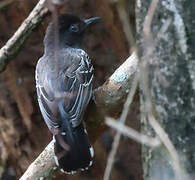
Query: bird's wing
[(72, 86), (78, 83)]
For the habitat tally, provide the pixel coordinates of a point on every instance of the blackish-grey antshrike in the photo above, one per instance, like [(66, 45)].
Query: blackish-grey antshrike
[(64, 78)]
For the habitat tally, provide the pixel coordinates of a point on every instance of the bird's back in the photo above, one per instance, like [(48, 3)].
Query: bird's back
[(63, 96)]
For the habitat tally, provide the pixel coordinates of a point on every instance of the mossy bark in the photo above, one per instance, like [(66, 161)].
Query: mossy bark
[(172, 84)]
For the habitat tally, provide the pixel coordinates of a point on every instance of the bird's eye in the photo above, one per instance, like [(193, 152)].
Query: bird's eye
[(74, 28)]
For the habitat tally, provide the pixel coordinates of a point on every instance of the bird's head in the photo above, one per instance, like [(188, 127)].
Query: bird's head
[(70, 28)]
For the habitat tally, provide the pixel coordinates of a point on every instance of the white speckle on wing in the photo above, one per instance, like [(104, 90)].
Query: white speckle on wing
[(63, 133), (68, 172), (85, 131), (73, 172), (90, 163)]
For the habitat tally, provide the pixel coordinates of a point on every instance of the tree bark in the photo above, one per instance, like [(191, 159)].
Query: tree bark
[(171, 73)]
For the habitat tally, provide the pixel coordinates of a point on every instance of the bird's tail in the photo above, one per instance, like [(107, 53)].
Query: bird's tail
[(72, 147)]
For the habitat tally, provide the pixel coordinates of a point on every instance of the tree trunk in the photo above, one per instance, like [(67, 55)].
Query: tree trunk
[(171, 74)]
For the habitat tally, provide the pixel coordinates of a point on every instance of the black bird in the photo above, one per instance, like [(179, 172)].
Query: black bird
[(64, 77)]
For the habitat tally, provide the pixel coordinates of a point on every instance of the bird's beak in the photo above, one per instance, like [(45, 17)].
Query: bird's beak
[(92, 21)]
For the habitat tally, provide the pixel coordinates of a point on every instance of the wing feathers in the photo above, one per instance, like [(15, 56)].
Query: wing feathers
[(73, 86)]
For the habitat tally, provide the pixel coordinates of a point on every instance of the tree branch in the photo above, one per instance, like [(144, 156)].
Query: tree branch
[(42, 166), (122, 119), (13, 45), (113, 93), (108, 96)]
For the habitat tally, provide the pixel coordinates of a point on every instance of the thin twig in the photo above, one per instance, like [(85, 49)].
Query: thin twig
[(149, 17), (163, 29), (13, 45), (125, 22), (118, 135), (133, 134), (155, 125), (168, 144)]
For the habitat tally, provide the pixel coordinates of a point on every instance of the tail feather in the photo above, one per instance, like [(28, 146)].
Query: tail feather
[(79, 153), (72, 147)]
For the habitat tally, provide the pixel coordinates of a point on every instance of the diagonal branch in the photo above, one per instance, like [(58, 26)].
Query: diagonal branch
[(11, 48), (42, 166)]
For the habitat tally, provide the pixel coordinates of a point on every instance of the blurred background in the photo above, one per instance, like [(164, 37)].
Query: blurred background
[(23, 133)]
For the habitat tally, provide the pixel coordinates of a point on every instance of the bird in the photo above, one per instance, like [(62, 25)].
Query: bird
[(64, 81)]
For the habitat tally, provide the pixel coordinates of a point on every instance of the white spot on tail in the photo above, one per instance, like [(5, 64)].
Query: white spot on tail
[(66, 172), (90, 163), (56, 160), (73, 172), (91, 151), (63, 133), (62, 170)]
